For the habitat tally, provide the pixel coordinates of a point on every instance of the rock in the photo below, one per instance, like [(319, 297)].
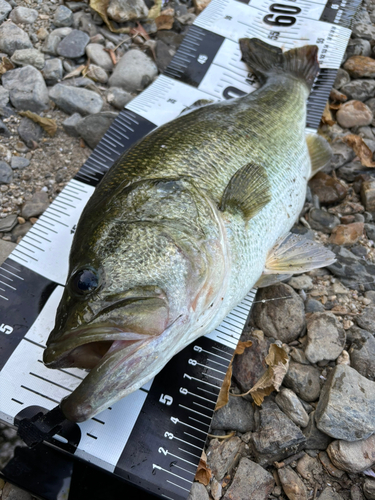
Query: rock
[(350, 171), (4, 96), (353, 272), (122, 11), (118, 98), (356, 492), (353, 457), (29, 132), (316, 439), (360, 66), (51, 43), (25, 57), (312, 306), (288, 402), (23, 15), (309, 468), (53, 71), (341, 154), (359, 90), (328, 189), (133, 72), (223, 456), (198, 492), (93, 127), (353, 114), (73, 45), (363, 30), (84, 22), (6, 248), (292, 484), (76, 100), (4, 130), (97, 55), (97, 74), (370, 231), (301, 282), (328, 465), (250, 481), (171, 38), (369, 489), (304, 380), (70, 124), (20, 231), (366, 320), (346, 408), (5, 8), (27, 89), (36, 206), (323, 221), (330, 494), (368, 195), (342, 78), (13, 38), (237, 415), (63, 16), (18, 162), (163, 55), (277, 438), (347, 234), (358, 47), (362, 352), (6, 174), (8, 223), (249, 367), (282, 319)]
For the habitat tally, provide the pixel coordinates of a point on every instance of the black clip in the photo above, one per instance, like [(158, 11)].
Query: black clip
[(41, 426)]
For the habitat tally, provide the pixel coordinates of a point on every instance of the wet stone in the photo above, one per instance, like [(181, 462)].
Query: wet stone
[(13, 38), (353, 114), (118, 98), (24, 57), (346, 408), (289, 403), (73, 45), (70, 124), (27, 89), (360, 90), (63, 16), (323, 221), (360, 66), (237, 415), (76, 100), (304, 380), (223, 456), (316, 439), (36, 206), (29, 132), (8, 223), (342, 78), (328, 189), (133, 72), (198, 492), (53, 71), (18, 162), (6, 174), (23, 15), (362, 352), (93, 127), (250, 481), (358, 47), (355, 456), (5, 8)]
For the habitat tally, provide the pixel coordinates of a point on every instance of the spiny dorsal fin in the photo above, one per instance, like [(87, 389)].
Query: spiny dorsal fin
[(271, 279), (320, 152), (248, 190), (296, 254)]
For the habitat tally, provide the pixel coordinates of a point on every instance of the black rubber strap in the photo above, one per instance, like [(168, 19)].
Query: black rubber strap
[(41, 426)]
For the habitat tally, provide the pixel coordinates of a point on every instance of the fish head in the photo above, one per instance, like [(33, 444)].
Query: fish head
[(132, 296)]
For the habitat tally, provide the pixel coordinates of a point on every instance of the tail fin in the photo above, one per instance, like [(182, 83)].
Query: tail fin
[(265, 59)]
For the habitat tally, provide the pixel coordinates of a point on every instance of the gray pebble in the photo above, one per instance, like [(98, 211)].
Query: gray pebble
[(358, 47), (6, 248), (222, 456), (313, 305), (350, 171), (316, 439), (118, 98), (198, 492), (251, 481), (4, 96), (23, 15), (163, 54), (301, 282), (97, 55), (85, 22), (304, 380), (5, 8), (371, 104), (121, 11), (18, 162), (8, 223), (53, 71), (70, 124), (4, 129), (6, 174), (73, 45), (359, 89), (325, 337), (97, 74), (29, 132), (341, 154), (370, 231), (323, 221), (365, 31), (76, 100), (353, 271), (51, 43), (289, 403), (21, 230), (354, 456), (236, 415), (366, 319), (342, 78), (330, 494), (25, 57), (369, 488), (27, 89), (13, 38), (36, 206), (93, 127), (134, 71), (63, 16)]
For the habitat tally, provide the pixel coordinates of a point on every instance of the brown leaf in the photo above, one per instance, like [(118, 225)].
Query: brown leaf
[(164, 22), (327, 116), (100, 6), (139, 31), (360, 148), (278, 362), (49, 125), (203, 474), (5, 65), (223, 398), (241, 346), (335, 105)]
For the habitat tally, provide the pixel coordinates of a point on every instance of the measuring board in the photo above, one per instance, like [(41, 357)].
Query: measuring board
[(154, 437)]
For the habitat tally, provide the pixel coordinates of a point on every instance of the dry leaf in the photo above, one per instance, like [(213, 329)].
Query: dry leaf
[(327, 116), (200, 5), (5, 65), (203, 474), (154, 12), (49, 125), (100, 6), (241, 346), (360, 148), (139, 30), (164, 22), (75, 72), (278, 362)]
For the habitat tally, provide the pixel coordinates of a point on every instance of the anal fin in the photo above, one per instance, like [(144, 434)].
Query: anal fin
[(271, 279), (320, 152), (248, 190)]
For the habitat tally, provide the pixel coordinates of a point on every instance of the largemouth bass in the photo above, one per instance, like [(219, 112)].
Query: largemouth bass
[(183, 226)]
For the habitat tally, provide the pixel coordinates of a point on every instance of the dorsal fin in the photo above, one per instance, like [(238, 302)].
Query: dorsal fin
[(248, 190), (320, 152)]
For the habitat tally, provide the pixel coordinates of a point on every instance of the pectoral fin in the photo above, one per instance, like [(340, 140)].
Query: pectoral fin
[(320, 152), (248, 190), (296, 254)]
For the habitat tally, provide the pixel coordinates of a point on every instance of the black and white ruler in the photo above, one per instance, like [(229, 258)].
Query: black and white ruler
[(153, 438)]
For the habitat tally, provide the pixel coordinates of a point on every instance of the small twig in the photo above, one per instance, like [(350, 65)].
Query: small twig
[(315, 491), (289, 460), (226, 436)]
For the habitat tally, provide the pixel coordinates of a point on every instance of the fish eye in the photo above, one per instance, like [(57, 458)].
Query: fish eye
[(84, 281)]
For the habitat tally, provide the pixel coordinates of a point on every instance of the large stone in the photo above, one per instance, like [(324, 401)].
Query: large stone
[(353, 271), (316, 439), (355, 456), (73, 45), (346, 408), (282, 319), (133, 72), (36, 206), (277, 438), (304, 380), (360, 66), (5, 8), (13, 38), (63, 16), (25, 57), (237, 415), (122, 11), (289, 403), (366, 319), (23, 15), (97, 55), (359, 90), (327, 188), (251, 481), (223, 456), (76, 100), (362, 352), (354, 114), (27, 89), (93, 127)]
